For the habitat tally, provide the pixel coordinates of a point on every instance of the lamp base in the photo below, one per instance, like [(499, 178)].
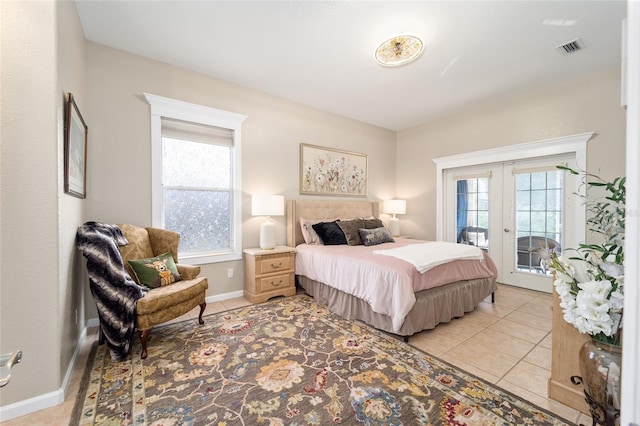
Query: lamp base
[(267, 235), (394, 226)]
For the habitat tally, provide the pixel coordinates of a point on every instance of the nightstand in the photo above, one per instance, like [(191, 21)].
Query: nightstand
[(269, 273)]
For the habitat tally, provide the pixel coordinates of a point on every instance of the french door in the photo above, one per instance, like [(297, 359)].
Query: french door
[(517, 211)]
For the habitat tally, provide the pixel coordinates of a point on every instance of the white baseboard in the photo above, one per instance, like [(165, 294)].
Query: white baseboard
[(47, 400), (225, 296), (31, 405)]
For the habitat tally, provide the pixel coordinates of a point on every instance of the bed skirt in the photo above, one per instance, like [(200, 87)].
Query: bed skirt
[(432, 307)]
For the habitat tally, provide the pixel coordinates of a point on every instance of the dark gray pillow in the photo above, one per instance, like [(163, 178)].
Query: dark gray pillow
[(373, 223), (350, 229), (330, 233), (372, 237)]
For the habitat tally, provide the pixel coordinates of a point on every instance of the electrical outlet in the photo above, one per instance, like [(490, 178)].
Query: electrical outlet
[(230, 273)]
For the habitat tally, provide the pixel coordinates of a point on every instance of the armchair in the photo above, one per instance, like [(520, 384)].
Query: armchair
[(531, 249), (164, 303), (474, 235), (123, 304)]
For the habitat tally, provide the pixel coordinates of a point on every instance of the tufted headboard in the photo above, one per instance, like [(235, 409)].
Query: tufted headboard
[(324, 209)]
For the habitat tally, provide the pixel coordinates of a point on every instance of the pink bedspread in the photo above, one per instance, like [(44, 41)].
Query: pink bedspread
[(387, 283)]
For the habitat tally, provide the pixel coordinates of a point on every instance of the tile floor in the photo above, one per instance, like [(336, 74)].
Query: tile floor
[(476, 343), (507, 343)]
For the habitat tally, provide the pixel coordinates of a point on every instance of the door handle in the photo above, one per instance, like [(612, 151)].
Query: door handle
[(507, 230)]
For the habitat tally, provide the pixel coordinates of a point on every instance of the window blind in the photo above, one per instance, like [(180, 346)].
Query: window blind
[(196, 132)]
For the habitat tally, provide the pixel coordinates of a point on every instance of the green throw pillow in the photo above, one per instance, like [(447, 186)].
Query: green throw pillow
[(156, 271)]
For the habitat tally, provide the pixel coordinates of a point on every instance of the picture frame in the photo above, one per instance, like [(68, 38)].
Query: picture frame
[(75, 150), (328, 171)]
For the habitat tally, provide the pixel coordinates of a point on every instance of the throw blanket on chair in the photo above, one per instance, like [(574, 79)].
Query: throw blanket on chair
[(113, 289)]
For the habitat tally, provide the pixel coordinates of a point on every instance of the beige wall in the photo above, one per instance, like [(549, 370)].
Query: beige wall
[(29, 270), (588, 104), (120, 147), (38, 290)]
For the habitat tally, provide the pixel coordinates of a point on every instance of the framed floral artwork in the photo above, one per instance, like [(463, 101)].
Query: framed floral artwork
[(328, 171), (75, 150)]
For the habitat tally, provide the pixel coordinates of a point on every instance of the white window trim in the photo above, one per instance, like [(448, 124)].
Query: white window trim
[(185, 111), (573, 144)]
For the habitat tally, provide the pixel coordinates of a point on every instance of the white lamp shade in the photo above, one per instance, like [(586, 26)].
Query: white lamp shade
[(267, 205), (395, 206)]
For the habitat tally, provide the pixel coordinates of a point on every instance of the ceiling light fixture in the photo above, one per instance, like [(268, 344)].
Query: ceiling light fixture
[(399, 50)]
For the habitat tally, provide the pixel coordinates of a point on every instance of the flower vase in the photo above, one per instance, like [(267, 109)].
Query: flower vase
[(600, 366)]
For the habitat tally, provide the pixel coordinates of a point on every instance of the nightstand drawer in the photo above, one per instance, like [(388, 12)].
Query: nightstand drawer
[(274, 264), (275, 282)]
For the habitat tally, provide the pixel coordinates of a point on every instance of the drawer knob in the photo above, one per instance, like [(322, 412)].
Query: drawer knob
[(274, 266), (276, 284)]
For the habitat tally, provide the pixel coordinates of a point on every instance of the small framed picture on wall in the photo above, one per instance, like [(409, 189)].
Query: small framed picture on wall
[(75, 150)]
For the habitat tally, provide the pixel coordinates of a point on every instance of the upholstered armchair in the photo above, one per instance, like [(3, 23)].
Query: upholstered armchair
[(165, 302)]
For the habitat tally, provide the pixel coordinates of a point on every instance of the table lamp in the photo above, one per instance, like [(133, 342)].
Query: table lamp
[(394, 207), (267, 205)]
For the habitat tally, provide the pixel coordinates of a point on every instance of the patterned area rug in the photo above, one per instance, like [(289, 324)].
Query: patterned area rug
[(289, 361)]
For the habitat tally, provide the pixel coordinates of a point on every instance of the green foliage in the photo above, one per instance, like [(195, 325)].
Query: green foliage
[(606, 217)]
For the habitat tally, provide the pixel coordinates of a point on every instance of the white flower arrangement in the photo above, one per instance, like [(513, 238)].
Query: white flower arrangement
[(591, 283)]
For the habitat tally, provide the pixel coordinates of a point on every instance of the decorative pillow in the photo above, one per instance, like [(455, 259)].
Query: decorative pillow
[(372, 237), (330, 233), (156, 271), (373, 223), (308, 233), (350, 229)]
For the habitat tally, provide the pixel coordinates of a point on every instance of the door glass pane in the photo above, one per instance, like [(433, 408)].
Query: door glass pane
[(523, 221), (523, 182), (538, 219), (472, 212), (538, 180), (483, 201), (554, 201), (538, 200)]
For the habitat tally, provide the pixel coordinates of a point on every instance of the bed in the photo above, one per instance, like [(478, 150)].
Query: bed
[(430, 307)]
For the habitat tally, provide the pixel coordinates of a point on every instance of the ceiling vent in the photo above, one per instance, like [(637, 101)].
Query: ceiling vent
[(570, 47)]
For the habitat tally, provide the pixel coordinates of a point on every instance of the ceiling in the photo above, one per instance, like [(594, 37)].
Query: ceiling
[(320, 53)]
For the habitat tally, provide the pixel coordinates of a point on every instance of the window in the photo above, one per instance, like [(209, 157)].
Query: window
[(472, 211), (539, 210), (196, 178), (527, 206)]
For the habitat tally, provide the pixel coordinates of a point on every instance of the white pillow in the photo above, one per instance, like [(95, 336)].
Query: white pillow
[(308, 233)]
